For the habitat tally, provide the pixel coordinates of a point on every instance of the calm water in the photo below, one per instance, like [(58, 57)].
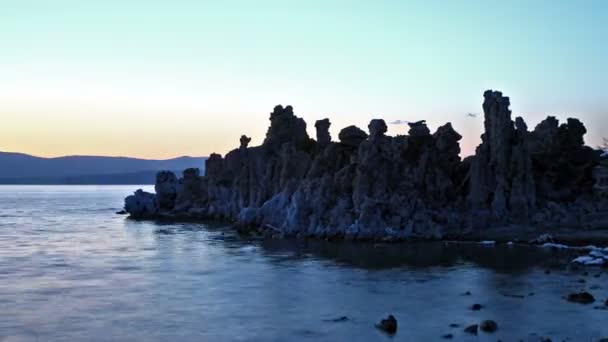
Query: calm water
[(72, 270)]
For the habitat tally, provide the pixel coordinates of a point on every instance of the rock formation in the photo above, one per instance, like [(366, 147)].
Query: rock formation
[(323, 137), (375, 186)]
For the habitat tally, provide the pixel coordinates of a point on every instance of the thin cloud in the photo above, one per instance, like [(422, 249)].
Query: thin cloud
[(399, 122)]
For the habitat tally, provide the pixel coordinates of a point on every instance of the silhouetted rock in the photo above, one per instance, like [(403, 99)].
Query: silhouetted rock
[(352, 136), (245, 140), (490, 174), (141, 204), (323, 136), (285, 127), (166, 189), (418, 129), (375, 186)]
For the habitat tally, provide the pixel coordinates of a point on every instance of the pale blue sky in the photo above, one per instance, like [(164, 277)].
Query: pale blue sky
[(166, 78)]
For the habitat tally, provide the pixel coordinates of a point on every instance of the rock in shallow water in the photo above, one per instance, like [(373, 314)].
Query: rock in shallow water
[(488, 326), (388, 325), (476, 307), (581, 297), (375, 186), (141, 204)]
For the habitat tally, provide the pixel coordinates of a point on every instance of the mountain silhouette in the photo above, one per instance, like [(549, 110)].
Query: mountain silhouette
[(19, 168)]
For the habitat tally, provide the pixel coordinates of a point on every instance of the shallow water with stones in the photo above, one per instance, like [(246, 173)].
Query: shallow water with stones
[(71, 269)]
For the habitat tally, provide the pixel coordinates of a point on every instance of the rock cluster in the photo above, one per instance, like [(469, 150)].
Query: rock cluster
[(374, 186)]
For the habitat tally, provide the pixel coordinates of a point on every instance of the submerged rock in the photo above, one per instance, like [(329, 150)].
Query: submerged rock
[(339, 319)]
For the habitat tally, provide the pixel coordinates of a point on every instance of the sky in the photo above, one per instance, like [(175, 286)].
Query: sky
[(159, 79)]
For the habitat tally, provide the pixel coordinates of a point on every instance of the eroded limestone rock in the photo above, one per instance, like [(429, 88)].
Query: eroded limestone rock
[(323, 136), (352, 136), (375, 186), (141, 205)]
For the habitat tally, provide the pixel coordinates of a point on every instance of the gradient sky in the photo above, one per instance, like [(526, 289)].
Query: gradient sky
[(159, 79)]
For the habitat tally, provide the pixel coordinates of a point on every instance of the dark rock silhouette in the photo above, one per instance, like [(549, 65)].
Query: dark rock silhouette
[(352, 136), (388, 325), (245, 140), (323, 136), (374, 186), (582, 298)]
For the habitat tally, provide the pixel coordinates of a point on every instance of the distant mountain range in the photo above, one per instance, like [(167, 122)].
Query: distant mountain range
[(19, 168)]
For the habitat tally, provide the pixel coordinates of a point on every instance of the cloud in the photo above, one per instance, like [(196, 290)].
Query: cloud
[(399, 122)]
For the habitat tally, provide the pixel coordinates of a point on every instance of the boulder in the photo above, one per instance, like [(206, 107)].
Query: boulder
[(388, 325), (581, 298), (141, 205)]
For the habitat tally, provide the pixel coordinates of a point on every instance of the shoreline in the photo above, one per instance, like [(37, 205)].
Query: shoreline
[(570, 237)]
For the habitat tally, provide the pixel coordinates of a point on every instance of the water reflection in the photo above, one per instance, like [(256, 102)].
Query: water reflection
[(501, 258)]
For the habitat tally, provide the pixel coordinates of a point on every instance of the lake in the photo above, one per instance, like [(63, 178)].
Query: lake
[(73, 270)]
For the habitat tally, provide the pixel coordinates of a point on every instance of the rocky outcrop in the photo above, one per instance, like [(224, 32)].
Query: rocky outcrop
[(166, 189), (352, 136), (375, 186), (323, 136), (142, 205)]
